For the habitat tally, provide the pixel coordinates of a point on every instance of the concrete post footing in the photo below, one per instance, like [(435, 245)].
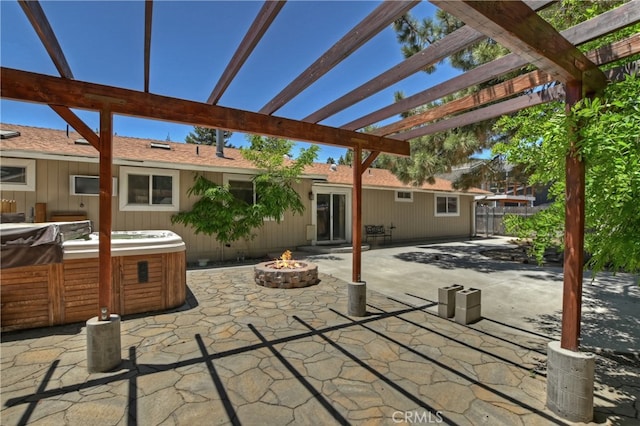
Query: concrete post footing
[(358, 299), (447, 300), (103, 344), (570, 381)]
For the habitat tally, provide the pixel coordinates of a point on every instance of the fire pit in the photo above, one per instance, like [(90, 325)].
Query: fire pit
[(286, 273)]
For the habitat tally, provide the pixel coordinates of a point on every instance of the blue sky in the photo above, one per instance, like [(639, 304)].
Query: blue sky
[(191, 44)]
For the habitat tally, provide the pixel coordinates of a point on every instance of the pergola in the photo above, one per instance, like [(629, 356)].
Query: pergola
[(514, 24)]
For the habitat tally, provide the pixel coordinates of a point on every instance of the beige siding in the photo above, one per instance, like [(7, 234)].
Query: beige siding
[(412, 220), (52, 188), (415, 220)]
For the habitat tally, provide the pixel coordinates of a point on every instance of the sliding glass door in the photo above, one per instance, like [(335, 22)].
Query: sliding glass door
[(331, 217)]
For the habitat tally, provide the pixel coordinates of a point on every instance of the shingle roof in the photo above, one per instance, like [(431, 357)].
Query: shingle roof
[(51, 141)]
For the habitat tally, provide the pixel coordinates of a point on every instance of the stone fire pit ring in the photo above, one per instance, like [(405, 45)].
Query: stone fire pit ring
[(267, 275)]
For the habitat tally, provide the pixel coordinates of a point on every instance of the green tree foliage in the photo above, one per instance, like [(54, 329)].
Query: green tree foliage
[(218, 212), (609, 143), (206, 136), (274, 184)]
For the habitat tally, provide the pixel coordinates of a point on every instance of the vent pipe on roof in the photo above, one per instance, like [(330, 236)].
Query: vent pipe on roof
[(219, 143)]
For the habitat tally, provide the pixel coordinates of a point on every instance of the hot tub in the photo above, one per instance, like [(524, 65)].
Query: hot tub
[(125, 243), (149, 274)]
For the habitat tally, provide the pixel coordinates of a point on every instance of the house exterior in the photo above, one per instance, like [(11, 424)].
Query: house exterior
[(58, 171)]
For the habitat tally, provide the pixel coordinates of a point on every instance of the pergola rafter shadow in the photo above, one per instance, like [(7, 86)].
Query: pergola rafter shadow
[(132, 370)]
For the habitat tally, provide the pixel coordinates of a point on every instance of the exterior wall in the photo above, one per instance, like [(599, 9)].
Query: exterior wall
[(412, 220), (415, 220), (52, 188)]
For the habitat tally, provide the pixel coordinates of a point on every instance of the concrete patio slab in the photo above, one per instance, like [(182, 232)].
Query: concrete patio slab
[(519, 295)]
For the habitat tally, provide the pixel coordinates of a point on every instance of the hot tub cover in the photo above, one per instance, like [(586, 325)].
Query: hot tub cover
[(30, 246)]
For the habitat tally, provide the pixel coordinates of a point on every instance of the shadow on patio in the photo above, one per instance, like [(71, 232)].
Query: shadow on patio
[(245, 354)]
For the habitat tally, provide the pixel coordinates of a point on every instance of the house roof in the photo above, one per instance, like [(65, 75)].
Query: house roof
[(37, 142)]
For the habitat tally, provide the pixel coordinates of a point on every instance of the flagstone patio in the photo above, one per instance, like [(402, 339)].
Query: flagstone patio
[(238, 353)]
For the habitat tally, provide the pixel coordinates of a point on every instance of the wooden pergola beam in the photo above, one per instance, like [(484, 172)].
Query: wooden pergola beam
[(375, 22), (484, 96), (604, 55), (606, 23), (441, 49), (457, 40), (502, 108), (261, 23), (41, 25), (517, 27), (482, 114), (40, 88), (148, 16), (369, 160), (618, 50), (76, 122)]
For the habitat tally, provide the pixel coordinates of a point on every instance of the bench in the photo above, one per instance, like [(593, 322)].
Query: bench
[(375, 232)]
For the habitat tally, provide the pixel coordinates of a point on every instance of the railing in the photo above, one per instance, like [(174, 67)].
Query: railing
[(490, 220)]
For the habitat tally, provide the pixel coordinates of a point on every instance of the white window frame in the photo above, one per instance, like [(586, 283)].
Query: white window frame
[(404, 200), (72, 186), (447, 196), (30, 174), (125, 171)]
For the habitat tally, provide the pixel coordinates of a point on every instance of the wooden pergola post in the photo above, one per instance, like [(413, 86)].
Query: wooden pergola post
[(357, 215), (574, 231), (106, 191)]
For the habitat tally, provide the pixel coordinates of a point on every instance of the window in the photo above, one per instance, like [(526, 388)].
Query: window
[(406, 196), (243, 188), (88, 185), (447, 205), (145, 189), (17, 174)]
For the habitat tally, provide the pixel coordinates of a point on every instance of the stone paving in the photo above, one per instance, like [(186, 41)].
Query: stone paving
[(238, 353)]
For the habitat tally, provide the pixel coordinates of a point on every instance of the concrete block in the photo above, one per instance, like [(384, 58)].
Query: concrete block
[(468, 298), (468, 306), (468, 316), (103, 344), (357, 299), (447, 300), (570, 381)]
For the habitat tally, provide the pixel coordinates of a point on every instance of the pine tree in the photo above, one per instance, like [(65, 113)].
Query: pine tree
[(207, 136)]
